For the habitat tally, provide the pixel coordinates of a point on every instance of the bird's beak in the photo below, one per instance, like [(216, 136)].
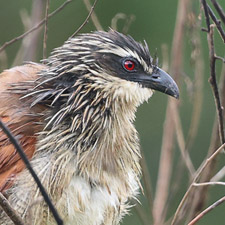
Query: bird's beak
[(159, 80)]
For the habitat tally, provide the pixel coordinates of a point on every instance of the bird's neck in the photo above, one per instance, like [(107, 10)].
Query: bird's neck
[(96, 130)]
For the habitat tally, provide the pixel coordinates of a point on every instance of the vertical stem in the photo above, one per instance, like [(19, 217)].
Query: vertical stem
[(46, 29), (163, 181), (213, 83)]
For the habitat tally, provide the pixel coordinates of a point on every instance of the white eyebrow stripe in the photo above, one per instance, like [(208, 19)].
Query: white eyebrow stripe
[(126, 52)]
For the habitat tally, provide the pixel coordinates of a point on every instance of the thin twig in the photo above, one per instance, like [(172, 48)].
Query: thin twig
[(46, 30), (23, 156), (181, 142), (219, 175), (29, 44), (127, 24), (213, 83), (217, 23), (116, 18), (199, 196), (128, 19), (94, 17), (209, 183), (6, 44), (86, 20), (206, 16), (219, 10), (198, 173), (211, 207), (12, 214), (220, 58)]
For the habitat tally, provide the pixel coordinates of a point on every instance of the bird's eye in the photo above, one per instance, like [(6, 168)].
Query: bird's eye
[(129, 65)]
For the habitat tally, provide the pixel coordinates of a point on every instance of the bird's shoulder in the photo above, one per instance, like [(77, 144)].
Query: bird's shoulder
[(22, 120)]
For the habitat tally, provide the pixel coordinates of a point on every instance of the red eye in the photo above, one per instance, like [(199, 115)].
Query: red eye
[(129, 65)]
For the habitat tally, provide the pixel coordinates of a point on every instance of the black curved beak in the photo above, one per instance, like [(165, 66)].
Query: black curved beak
[(159, 80)]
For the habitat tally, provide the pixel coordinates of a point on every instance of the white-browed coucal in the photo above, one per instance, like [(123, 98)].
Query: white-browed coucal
[(74, 118)]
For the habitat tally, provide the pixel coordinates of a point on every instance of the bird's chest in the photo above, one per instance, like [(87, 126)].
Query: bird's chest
[(87, 203)]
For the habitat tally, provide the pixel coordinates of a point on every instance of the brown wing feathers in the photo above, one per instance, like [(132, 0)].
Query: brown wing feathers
[(20, 118)]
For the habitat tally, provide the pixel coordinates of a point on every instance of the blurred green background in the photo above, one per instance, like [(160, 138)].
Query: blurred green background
[(154, 22)]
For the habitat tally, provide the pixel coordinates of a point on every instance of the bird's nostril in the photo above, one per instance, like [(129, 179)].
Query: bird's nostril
[(155, 76)]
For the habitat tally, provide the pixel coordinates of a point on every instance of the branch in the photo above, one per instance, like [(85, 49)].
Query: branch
[(219, 10), (128, 19), (219, 175), (86, 20), (94, 17), (203, 213), (206, 16), (208, 184), (213, 83), (46, 30), (199, 172), (217, 22), (220, 58), (34, 175), (181, 142), (199, 196), (6, 44), (12, 214)]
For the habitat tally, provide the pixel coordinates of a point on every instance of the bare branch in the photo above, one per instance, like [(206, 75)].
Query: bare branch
[(181, 142), (198, 173), (219, 175), (213, 83), (116, 18), (94, 17), (209, 183), (219, 10), (206, 16), (6, 44), (12, 214), (220, 58), (86, 20), (217, 23), (46, 29), (199, 196), (203, 213), (122, 16), (128, 22), (29, 44), (23, 156)]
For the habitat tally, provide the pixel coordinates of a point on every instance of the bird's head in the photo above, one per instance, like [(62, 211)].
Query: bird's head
[(100, 68), (109, 57), (120, 56)]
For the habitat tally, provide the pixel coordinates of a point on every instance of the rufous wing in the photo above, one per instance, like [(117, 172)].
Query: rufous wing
[(24, 121)]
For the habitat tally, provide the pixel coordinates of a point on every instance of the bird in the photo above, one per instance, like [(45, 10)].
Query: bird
[(73, 115)]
